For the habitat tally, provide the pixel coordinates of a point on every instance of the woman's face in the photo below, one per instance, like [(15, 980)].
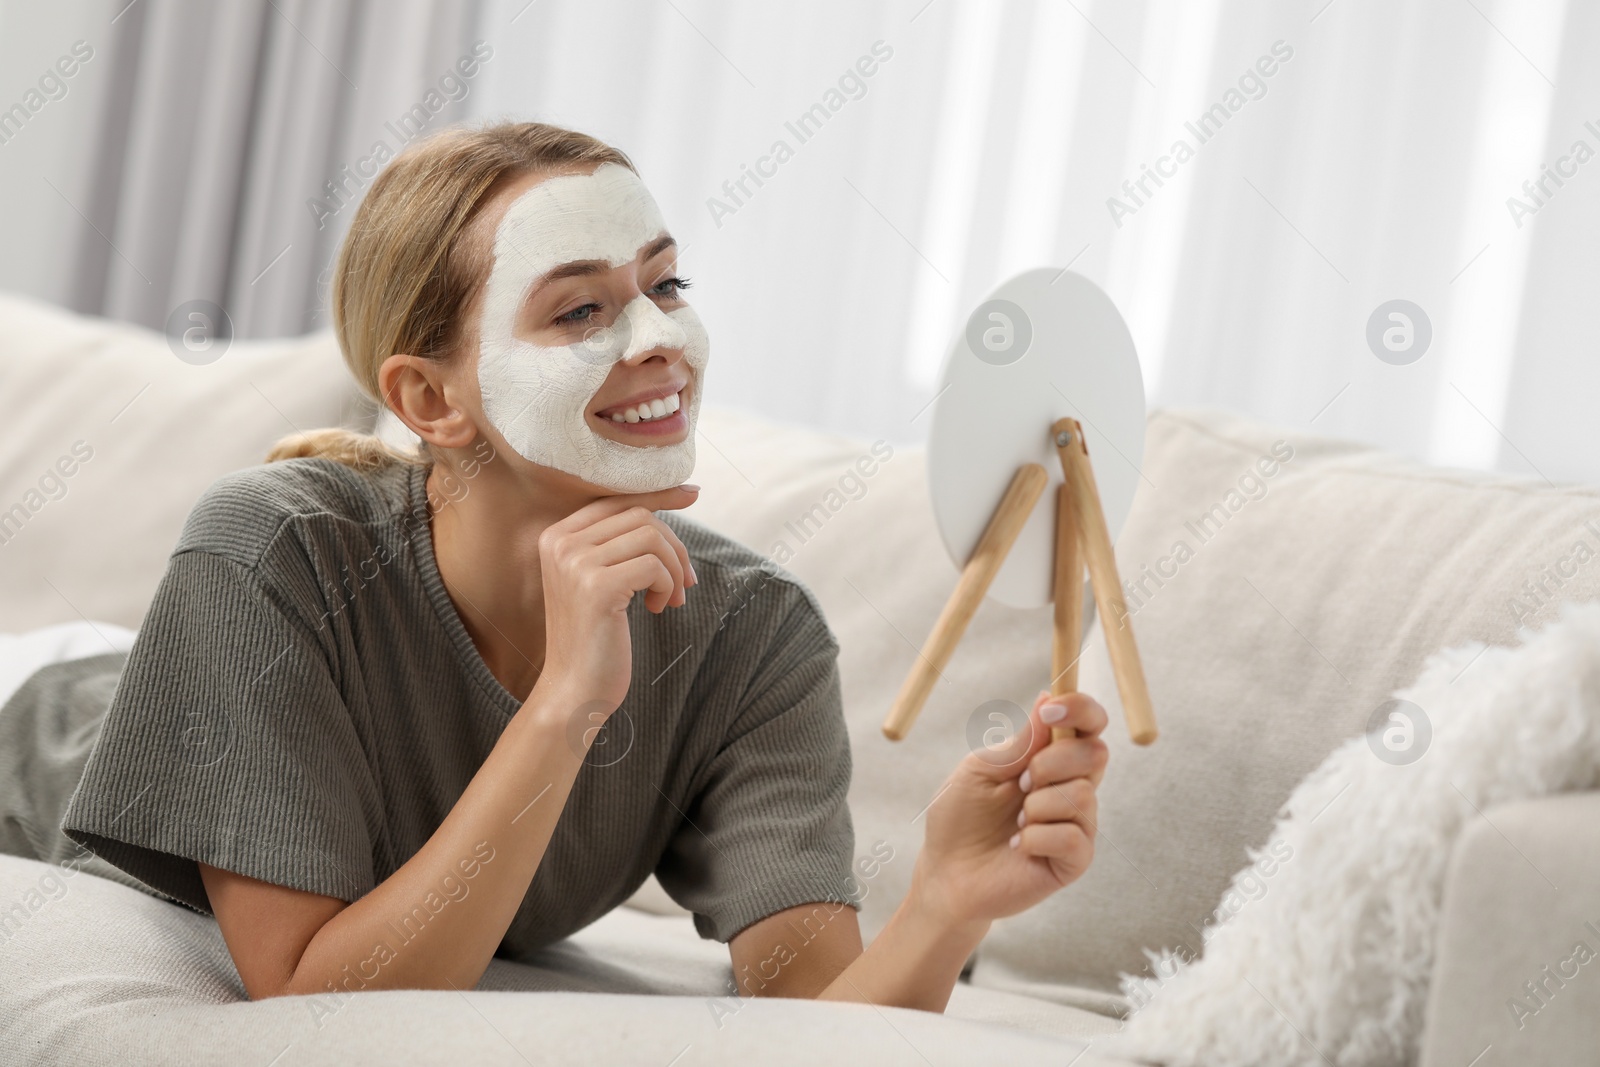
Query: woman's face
[(589, 360)]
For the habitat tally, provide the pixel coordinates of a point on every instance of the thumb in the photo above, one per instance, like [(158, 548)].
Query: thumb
[(669, 499), (1007, 762)]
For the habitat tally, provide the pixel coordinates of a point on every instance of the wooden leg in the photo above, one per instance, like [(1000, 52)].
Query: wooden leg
[(1004, 525), (1108, 599), (1068, 595)]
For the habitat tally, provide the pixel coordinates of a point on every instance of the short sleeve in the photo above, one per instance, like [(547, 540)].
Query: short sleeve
[(769, 827), (227, 741)]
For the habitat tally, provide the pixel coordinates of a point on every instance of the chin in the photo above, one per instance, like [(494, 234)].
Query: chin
[(622, 467)]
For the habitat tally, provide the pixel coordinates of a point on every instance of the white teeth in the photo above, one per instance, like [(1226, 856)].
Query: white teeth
[(651, 409)]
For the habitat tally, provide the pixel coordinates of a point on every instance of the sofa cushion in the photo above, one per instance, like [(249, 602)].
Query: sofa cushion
[(113, 438), (103, 975), (1277, 600)]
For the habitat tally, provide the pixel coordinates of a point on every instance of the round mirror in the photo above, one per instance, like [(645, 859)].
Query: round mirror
[(1048, 343)]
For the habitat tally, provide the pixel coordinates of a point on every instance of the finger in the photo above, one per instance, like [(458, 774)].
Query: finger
[(1048, 719), (1066, 759), (1084, 715), (615, 525), (1004, 761), (1085, 718), (1064, 841), (1074, 801), (640, 541), (670, 499), (679, 496), (648, 546), (1008, 762), (639, 519), (646, 572), (1052, 708)]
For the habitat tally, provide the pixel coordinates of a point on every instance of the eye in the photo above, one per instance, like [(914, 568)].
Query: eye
[(670, 287), (582, 313)]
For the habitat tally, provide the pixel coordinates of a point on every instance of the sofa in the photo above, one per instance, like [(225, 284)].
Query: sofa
[(1282, 585)]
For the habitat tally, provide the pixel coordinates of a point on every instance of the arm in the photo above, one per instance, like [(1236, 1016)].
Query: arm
[(479, 863), (975, 866), (913, 962)]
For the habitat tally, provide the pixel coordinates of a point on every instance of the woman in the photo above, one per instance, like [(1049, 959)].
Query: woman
[(390, 714)]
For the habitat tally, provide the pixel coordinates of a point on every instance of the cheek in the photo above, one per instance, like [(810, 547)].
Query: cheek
[(574, 379), (527, 384)]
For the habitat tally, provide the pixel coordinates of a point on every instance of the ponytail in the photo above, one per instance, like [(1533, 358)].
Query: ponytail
[(363, 451)]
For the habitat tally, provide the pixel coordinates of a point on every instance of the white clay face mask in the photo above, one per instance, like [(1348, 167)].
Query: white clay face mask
[(538, 397)]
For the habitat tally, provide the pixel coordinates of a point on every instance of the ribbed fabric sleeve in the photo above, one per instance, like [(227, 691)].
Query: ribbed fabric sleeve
[(770, 809), (227, 743)]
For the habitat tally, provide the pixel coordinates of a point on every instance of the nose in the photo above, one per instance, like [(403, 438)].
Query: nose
[(649, 331)]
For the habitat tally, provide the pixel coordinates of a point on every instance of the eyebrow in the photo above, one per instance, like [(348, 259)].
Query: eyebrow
[(583, 267)]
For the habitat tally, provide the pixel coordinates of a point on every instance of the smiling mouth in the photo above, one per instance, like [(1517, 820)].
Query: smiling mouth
[(658, 417)]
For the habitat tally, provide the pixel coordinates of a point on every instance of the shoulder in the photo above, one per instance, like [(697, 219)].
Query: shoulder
[(240, 515), (738, 581)]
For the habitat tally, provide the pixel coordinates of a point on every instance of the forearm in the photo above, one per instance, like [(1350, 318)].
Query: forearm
[(436, 922), (914, 962)]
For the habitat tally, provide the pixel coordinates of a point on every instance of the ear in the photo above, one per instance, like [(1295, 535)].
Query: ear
[(415, 389)]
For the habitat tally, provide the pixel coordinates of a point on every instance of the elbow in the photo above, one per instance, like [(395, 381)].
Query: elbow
[(254, 993), (361, 977), (294, 984), (306, 982), (260, 989)]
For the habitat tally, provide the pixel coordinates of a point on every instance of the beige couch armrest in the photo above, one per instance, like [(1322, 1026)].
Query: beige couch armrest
[(1520, 926)]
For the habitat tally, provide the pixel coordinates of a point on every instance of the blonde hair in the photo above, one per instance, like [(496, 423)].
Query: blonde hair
[(406, 271)]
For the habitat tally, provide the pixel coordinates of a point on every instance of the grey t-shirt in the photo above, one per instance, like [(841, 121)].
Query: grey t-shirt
[(304, 706)]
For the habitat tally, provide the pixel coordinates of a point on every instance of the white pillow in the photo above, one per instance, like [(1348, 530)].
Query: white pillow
[(22, 654), (110, 440)]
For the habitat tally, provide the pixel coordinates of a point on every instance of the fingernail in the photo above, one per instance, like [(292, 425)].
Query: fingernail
[(1053, 712), (1042, 694), (694, 579), (689, 487), (1022, 818), (1016, 839), (1026, 781)]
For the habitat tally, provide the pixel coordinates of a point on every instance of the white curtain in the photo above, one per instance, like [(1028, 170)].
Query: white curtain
[(186, 157), (1373, 164), (946, 145)]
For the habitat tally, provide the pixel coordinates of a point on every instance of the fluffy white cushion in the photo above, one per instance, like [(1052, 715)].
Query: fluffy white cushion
[(1327, 958)]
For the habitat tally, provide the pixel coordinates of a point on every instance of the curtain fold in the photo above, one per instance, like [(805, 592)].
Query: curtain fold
[(222, 128)]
